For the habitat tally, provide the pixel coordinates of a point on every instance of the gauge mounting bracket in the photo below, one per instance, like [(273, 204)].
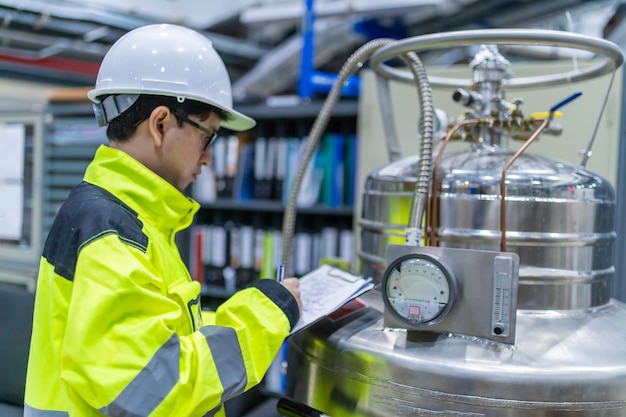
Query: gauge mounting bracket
[(450, 290)]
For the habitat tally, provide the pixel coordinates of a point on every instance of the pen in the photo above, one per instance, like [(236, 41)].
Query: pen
[(280, 272)]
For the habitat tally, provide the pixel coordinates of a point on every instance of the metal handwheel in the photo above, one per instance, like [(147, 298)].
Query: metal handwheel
[(502, 37)]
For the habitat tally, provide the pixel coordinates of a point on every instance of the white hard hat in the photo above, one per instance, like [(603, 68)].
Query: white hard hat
[(166, 60)]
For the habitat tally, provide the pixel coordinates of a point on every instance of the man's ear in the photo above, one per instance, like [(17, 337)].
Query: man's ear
[(157, 124)]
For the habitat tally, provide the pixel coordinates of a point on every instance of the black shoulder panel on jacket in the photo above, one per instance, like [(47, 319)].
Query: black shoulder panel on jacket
[(89, 213), (280, 296)]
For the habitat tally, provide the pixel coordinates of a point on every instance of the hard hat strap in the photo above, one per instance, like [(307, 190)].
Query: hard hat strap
[(112, 106)]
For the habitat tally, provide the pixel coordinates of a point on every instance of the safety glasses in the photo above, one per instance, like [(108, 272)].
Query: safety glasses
[(210, 136)]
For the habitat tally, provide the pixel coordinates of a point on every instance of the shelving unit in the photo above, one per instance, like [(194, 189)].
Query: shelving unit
[(272, 206), (71, 138), (234, 240)]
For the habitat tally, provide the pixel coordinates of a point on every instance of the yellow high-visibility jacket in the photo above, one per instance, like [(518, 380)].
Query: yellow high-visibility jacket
[(118, 328)]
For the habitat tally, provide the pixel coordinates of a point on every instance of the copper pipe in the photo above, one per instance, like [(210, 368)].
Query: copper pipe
[(431, 213), (521, 150), (427, 212)]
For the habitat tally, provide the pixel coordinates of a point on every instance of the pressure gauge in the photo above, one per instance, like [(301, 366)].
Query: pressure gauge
[(418, 289)]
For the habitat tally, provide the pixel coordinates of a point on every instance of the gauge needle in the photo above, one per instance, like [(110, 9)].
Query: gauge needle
[(397, 284)]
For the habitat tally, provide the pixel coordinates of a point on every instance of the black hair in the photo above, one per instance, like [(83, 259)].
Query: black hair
[(123, 127)]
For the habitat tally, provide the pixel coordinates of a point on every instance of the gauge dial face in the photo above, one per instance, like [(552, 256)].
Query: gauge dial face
[(418, 289)]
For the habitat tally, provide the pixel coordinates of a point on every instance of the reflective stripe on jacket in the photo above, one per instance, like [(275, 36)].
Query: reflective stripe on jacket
[(117, 327)]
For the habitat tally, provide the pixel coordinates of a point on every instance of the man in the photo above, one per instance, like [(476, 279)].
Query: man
[(118, 328)]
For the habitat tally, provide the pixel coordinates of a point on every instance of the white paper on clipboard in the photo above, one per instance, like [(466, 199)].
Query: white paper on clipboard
[(326, 289)]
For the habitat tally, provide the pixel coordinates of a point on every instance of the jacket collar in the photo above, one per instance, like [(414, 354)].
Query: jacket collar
[(156, 200)]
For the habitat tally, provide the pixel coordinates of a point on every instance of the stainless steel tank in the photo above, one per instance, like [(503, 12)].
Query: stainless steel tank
[(569, 354), (564, 363), (560, 220)]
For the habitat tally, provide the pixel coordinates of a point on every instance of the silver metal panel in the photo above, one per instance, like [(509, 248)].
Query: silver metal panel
[(19, 258), (471, 312), (619, 286)]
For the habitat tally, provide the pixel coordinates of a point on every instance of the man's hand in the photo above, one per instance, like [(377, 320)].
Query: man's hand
[(293, 286)]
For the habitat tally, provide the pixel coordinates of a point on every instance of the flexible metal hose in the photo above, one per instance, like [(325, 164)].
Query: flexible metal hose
[(354, 62), (427, 111)]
